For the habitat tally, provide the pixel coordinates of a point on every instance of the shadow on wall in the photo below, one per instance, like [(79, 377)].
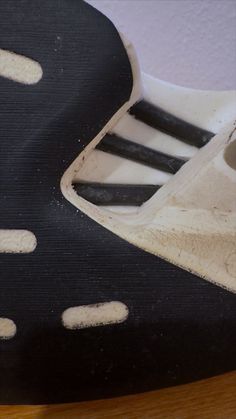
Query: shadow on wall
[(186, 42)]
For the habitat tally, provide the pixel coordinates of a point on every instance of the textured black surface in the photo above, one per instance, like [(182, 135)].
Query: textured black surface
[(180, 328), (115, 194), (170, 124), (119, 146)]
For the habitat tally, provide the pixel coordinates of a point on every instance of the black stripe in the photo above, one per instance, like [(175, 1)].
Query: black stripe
[(164, 121), (115, 194), (128, 149)]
